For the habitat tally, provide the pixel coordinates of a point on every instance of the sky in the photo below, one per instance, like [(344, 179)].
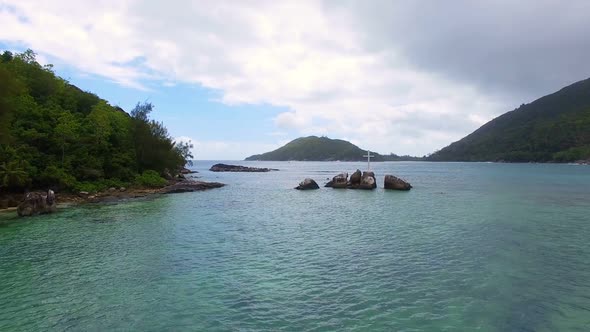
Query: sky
[(244, 77)]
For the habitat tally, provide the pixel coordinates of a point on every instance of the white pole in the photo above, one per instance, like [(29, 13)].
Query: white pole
[(368, 160)]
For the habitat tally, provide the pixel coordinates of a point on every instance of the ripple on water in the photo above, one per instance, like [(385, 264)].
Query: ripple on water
[(258, 255)]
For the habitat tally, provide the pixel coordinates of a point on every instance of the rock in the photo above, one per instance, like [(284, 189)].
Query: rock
[(237, 168), (189, 186), (339, 181), (355, 178), (307, 184), (122, 189), (187, 171), (112, 189), (37, 203), (368, 181), (395, 183), (83, 194)]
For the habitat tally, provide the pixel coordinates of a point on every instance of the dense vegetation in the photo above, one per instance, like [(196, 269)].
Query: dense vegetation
[(315, 148), (54, 135), (555, 128)]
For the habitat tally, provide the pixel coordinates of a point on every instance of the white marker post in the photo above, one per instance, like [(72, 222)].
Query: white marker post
[(368, 160)]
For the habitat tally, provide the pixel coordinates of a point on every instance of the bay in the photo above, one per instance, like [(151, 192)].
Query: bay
[(474, 246)]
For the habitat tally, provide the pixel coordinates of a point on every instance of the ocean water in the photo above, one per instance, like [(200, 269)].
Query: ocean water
[(474, 246)]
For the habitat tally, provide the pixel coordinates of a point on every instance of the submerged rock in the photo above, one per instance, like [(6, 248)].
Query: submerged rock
[(307, 184), (37, 203), (339, 181), (395, 183), (238, 168)]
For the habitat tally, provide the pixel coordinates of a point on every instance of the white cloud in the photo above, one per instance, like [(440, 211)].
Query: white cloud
[(301, 55)]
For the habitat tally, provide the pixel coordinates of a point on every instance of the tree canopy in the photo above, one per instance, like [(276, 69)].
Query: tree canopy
[(554, 128), (53, 134)]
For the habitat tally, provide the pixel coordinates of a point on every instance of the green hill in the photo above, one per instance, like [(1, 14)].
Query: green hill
[(54, 135), (554, 128), (315, 148)]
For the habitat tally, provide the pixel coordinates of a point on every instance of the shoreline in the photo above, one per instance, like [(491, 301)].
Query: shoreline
[(65, 200)]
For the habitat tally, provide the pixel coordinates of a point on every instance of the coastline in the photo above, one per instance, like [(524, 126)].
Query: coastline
[(65, 200)]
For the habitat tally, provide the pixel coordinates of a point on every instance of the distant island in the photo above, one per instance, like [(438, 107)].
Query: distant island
[(554, 128), (313, 148)]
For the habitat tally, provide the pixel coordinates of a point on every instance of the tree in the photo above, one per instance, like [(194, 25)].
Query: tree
[(184, 149), (13, 175), (66, 131)]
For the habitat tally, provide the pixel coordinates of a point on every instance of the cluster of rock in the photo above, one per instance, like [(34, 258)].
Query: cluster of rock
[(237, 168), (358, 180), (37, 203)]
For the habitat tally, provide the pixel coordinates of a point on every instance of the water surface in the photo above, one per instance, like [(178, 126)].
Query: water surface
[(474, 246)]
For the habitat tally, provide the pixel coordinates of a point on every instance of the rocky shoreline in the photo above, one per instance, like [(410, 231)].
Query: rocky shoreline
[(32, 203)]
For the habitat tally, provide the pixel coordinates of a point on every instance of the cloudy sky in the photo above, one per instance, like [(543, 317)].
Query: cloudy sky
[(243, 77)]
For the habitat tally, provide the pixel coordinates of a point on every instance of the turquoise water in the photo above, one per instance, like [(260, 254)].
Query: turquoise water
[(474, 246)]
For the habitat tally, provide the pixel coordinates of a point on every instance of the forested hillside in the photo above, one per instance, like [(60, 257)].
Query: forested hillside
[(54, 135), (555, 128)]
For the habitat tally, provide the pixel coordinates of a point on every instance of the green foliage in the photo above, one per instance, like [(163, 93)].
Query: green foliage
[(13, 174), (150, 178), (101, 185), (315, 148), (57, 176), (553, 128), (52, 134)]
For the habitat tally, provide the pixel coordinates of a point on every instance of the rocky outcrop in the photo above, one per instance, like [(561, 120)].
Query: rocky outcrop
[(339, 181), (187, 171), (37, 203), (189, 186), (307, 184), (368, 181), (237, 168), (355, 178), (395, 183)]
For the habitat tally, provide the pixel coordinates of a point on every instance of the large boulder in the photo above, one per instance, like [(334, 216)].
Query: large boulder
[(37, 203), (307, 184), (339, 181), (368, 181), (355, 178), (395, 183)]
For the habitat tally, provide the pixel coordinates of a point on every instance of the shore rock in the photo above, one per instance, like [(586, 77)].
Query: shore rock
[(395, 183), (37, 203), (307, 184), (237, 168), (339, 181), (187, 171)]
